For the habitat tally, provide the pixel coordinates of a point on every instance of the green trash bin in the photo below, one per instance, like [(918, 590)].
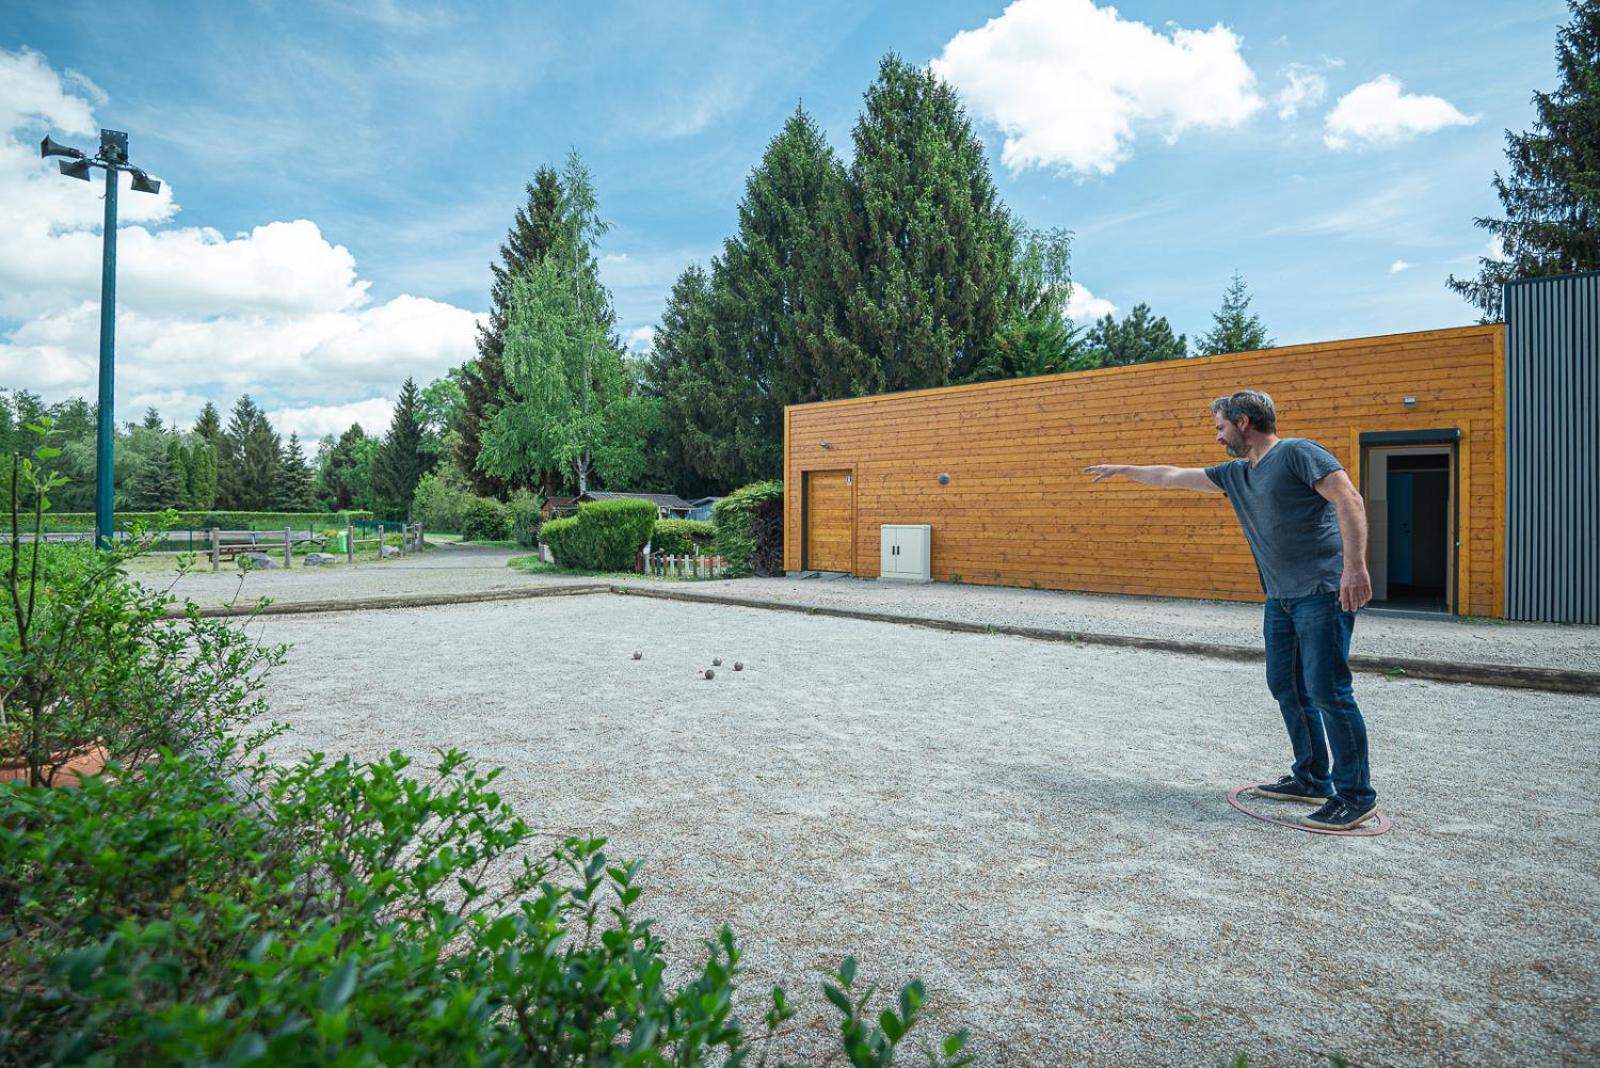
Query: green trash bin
[(341, 542)]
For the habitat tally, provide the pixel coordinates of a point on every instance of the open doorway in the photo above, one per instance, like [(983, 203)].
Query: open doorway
[(1410, 491)]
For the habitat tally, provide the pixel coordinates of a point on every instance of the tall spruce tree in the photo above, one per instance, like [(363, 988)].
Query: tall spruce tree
[(1234, 327), (1140, 338), (681, 362), (297, 490), (401, 463), (1551, 196), (933, 280), (156, 484), (152, 419), (197, 459), (255, 460), (483, 381)]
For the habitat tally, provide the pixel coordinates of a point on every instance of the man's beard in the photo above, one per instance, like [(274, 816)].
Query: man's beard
[(1237, 454)]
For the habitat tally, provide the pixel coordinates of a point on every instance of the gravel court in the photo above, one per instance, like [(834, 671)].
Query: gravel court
[(1039, 831)]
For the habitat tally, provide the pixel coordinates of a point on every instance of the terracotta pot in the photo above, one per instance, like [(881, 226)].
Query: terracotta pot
[(87, 759)]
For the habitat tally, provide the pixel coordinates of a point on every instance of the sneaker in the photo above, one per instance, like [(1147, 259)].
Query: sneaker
[(1338, 815), (1290, 788)]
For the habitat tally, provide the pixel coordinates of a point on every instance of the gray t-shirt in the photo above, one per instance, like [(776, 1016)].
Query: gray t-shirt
[(1292, 529)]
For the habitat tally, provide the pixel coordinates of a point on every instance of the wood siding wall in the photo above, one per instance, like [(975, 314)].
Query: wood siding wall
[(1018, 510)]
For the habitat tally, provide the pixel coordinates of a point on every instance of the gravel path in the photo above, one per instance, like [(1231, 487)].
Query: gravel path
[(1223, 622), (451, 569), (1037, 830)]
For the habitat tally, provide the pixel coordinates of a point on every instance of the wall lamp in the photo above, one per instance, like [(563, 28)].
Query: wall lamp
[(1408, 402), (824, 444)]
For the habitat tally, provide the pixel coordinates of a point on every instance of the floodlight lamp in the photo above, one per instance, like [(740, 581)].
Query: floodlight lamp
[(143, 183), (49, 147), (78, 168)]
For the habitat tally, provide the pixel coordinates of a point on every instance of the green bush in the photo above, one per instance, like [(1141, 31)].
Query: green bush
[(57, 522), (749, 524), (441, 500), (485, 519), (330, 912), (603, 536), (525, 517), (89, 657), (681, 537)]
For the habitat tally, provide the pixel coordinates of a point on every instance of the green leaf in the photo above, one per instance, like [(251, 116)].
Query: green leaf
[(338, 987)]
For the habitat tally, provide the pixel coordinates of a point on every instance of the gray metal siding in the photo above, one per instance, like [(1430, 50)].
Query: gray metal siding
[(1553, 449)]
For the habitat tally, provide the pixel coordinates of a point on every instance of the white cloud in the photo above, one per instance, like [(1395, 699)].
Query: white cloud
[(640, 339), (1084, 307), (1399, 265), (1496, 248), (1381, 112), (279, 311), (1304, 88), (1072, 85), (313, 422)]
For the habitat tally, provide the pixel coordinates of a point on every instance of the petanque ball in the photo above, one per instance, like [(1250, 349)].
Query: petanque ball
[(738, 665), (710, 674), (637, 655), (716, 661)]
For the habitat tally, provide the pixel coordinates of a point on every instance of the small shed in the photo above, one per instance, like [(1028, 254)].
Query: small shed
[(700, 507), (556, 507), (668, 505)]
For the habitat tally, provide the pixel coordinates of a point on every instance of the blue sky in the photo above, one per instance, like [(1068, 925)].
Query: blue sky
[(339, 175)]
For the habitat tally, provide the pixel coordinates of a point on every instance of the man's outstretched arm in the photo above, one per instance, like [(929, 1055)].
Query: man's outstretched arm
[(1165, 475)]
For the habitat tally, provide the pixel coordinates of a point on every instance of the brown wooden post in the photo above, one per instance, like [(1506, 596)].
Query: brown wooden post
[(380, 541), (288, 548), (216, 548), (349, 542), (403, 529)]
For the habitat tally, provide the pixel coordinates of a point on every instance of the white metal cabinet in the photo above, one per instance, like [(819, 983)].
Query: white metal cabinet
[(905, 552)]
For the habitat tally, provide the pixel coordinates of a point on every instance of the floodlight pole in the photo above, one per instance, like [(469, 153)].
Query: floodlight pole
[(106, 424), (112, 157)]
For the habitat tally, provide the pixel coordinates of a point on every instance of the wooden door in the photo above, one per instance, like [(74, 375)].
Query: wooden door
[(829, 521)]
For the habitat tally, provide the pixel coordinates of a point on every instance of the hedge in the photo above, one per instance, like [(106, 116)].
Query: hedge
[(485, 519), (749, 524), (84, 521), (682, 537), (603, 536), (525, 517)]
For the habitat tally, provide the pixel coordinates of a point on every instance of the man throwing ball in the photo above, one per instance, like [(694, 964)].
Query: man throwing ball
[(1307, 527)]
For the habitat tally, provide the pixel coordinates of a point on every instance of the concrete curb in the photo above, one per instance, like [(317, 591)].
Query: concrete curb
[(410, 600), (1554, 680)]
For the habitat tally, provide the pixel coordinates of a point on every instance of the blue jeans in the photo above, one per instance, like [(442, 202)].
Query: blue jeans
[(1308, 672)]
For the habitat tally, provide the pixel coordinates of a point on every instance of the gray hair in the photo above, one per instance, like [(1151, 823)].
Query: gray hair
[(1248, 403)]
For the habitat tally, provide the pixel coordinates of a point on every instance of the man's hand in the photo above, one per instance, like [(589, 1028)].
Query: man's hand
[(1355, 589), (1101, 472)]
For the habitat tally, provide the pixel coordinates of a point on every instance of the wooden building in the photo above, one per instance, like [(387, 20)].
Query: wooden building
[(996, 471)]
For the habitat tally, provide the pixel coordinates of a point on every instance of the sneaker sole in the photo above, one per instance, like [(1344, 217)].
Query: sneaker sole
[(1317, 801), (1371, 814)]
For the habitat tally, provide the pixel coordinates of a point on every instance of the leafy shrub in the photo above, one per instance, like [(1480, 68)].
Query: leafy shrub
[(90, 658), (525, 517), (749, 524), (441, 500), (336, 912), (603, 536), (681, 537), (485, 519)]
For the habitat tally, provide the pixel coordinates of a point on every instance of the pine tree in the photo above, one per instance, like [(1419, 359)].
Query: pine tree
[(483, 380), (400, 463), (933, 282), (335, 470), (1234, 327), (152, 419), (297, 491), (248, 481), (1552, 195), (1140, 338), (156, 484), (681, 362)]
